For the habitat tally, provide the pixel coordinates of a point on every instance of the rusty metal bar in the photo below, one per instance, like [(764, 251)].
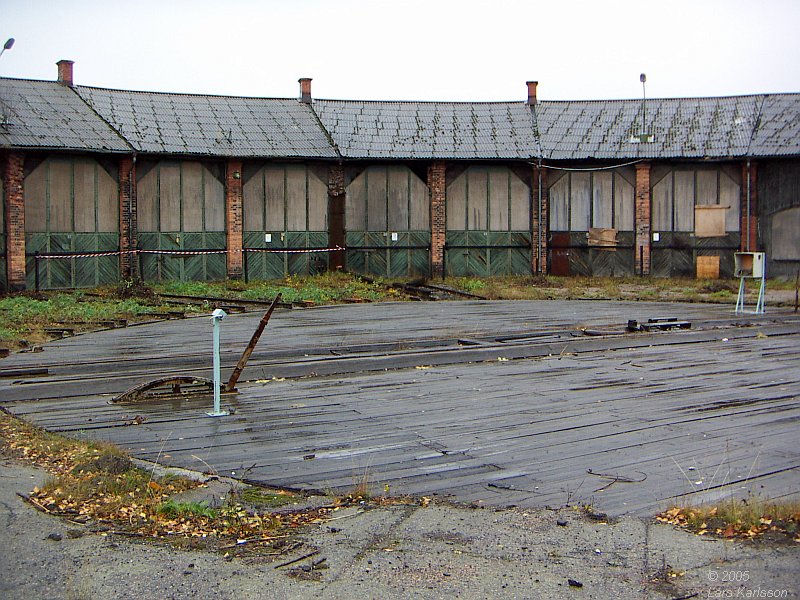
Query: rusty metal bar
[(231, 385)]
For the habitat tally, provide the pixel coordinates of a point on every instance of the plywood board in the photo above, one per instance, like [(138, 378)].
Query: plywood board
[(684, 201), (456, 200), (708, 267), (786, 234), (559, 205), (192, 200), (355, 208), (520, 204), (420, 207), (498, 198), (602, 237), (317, 202), (253, 202), (376, 199), (730, 195), (602, 199), (709, 220), (623, 204), (84, 195), (662, 204), (214, 199), (147, 201), (107, 202), (36, 200), (296, 202), (477, 199), (398, 198), (275, 199), (707, 188), (60, 188), (580, 197), (169, 196)]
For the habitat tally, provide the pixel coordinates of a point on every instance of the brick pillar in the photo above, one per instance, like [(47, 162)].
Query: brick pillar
[(14, 181), (540, 204), (436, 186), (233, 217), (749, 225), (128, 227), (336, 224), (642, 208)]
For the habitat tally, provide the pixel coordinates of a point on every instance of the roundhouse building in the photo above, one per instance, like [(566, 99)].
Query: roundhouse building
[(100, 185)]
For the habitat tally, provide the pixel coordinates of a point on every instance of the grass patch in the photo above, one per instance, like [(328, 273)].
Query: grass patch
[(173, 509), (326, 288), (261, 498), (747, 518), (97, 484), (25, 318)]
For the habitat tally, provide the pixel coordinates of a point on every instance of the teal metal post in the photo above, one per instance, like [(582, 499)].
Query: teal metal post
[(216, 317)]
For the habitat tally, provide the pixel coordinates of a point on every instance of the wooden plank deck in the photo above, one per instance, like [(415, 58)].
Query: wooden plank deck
[(684, 412)]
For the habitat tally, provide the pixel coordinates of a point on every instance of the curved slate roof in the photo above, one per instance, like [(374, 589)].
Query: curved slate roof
[(212, 125), (46, 114), (777, 132), (408, 130), (680, 128)]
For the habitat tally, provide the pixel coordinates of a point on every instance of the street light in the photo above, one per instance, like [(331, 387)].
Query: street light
[(7, 46)]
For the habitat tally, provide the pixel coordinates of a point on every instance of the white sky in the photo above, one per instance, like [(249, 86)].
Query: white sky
[(411, 50)]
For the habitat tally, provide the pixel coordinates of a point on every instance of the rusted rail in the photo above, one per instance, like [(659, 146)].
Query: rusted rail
[(231, 385)]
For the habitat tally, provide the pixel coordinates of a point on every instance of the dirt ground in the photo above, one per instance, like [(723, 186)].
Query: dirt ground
[(438, 551)]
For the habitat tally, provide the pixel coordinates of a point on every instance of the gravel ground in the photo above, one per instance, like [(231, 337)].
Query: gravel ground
[(438, 551)]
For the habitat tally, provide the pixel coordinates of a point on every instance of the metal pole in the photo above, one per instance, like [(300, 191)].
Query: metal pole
[(231, 385), (749, 249), (36, 263), (216, 317)]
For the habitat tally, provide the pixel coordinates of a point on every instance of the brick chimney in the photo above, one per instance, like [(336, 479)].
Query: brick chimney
[(532, 91), (305, 89), (65, 72)]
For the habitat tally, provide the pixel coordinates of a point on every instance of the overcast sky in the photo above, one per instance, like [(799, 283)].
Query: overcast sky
[(411, 50)]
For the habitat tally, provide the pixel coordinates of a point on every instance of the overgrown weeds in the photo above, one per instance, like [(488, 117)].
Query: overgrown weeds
[(97, 484), (747, 518)]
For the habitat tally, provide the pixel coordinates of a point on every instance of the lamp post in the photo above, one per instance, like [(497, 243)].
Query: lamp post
[(643, 79), (7, 46)]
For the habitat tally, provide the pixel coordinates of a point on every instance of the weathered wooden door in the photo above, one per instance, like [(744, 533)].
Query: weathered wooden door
[(71, 206), (584, 201), (679, 194), (181, 208), (488, 223), (387, 221), (285, 208)]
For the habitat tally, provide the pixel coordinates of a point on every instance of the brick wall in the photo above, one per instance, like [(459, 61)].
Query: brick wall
[(336, 209), (128, 230), (642, 217), (233, 217), (539, 256), (436, 186), (14, 181), (753, 220)]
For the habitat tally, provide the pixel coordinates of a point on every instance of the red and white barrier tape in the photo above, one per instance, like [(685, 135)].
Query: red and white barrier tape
[(182, 252)]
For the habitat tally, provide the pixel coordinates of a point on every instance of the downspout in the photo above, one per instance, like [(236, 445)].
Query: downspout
[(539, 221), (748, 205)]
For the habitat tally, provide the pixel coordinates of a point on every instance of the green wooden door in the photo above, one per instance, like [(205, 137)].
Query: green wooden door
[(285, 216), (387, 221), (181, 207), (488, 223), (72, 208)]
